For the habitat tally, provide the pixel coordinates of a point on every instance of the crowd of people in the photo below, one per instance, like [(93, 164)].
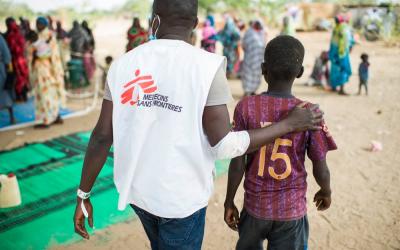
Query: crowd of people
[(34, 62)]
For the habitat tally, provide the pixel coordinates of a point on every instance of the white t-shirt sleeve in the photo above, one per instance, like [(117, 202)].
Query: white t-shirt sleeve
[(220, 92), (107, 93), (110, 80)]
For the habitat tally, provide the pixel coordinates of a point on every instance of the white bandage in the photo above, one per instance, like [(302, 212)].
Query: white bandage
[(232, 145), (85, 212)]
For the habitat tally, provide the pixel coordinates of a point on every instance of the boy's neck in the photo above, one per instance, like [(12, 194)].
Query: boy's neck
[(280, 89)]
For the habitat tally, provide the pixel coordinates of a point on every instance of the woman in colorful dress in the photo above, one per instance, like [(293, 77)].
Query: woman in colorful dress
[(136, 35), (339, 55), (230, 37), (209, 37), (16, 44), (56, 62), (43, 81)]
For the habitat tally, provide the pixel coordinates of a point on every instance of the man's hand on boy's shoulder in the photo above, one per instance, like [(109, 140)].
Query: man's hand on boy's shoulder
[(305, 117), (322, 199), (231, 216)]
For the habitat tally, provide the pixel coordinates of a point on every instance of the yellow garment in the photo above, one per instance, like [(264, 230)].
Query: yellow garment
[(341, 39), (57, 65), (45, 85)]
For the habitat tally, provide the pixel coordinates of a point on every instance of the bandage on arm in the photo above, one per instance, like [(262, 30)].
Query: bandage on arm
[(234, 144)]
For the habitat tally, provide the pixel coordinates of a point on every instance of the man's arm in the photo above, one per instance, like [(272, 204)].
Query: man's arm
[(235, 176), (216, 125), (96, 155), (322, 176)]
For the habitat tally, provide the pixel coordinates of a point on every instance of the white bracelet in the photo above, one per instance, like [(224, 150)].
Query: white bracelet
[(83, 195)]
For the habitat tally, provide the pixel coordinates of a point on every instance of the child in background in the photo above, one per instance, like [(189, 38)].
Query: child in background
[(320, 73), (105, 69), (363, 72), (275, 176), (42, 48)]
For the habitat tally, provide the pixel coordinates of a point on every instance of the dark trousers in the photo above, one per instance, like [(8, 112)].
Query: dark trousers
[(173, 234), (281, 235)]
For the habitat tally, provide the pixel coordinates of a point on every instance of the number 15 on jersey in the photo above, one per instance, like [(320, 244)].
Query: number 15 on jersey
[(275, 156)]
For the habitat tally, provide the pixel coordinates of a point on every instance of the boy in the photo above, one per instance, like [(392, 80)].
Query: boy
[(363, 73), (275, 176)]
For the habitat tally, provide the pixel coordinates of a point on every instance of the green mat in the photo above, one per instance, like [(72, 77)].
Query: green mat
[(48, 174)]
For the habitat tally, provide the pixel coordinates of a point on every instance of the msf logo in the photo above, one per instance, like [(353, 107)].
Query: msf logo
[(135, 89)]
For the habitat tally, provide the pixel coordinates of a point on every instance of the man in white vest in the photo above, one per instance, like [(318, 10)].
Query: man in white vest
[(165, 113)]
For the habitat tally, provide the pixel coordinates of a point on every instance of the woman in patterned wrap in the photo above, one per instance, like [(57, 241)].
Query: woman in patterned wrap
[(253, 44)]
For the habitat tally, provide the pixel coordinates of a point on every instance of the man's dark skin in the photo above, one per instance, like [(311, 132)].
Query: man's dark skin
[(237, 166), (216, 121)]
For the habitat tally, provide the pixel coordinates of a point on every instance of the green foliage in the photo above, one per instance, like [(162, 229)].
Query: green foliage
[(10, 8), (138, 8)]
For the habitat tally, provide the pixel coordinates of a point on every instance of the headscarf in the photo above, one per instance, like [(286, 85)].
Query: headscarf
[(208, 30), (43, 21), (340, 37), (15, 40), (230, 35)]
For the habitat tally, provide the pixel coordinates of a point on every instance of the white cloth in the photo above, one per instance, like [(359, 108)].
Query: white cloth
[(163, 162)]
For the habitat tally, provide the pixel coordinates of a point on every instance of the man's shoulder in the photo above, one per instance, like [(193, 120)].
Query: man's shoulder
[(203, 53)]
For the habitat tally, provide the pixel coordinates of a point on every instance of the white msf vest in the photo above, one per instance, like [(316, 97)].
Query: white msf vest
[(162, 158)]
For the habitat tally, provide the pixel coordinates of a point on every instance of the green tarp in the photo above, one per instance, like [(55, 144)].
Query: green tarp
[(48, 174)]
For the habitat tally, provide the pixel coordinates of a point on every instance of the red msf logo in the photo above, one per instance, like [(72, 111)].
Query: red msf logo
[(133, 89)]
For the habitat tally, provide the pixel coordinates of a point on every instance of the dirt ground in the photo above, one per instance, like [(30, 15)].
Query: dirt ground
[(365, 211)]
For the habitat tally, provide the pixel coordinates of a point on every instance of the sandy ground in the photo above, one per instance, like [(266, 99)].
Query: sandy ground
[(365, 211)]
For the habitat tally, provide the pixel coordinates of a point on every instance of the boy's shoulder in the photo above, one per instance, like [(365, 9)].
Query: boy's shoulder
[(266, 103), (272, 99)]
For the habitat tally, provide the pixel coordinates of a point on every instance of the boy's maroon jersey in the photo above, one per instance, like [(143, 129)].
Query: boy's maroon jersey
[(275, 181)]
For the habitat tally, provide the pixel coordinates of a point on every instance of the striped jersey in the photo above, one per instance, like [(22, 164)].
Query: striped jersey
[(275, 179)]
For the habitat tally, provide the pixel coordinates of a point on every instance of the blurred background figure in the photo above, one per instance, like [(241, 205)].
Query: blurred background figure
[(25, 26), (16, 44), (210, 18), (289, 26), (209, 37), (6, 100), (137, 35), (388, 23), (339, 55), (230, 37), (253, 44), (92, 42), (89, 62), (320, 73), (57, 69), (78, 37), (44, 81), (108, 61), (61, 33)]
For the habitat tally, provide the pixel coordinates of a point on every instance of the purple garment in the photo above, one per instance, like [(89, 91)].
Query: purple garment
[(275, 180)]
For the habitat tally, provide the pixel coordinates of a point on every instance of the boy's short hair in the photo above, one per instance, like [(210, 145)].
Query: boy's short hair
[(284, 57), (364, 56)]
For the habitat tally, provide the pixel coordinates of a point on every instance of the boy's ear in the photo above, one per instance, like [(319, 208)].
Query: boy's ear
[(264, 68), (301, 72)]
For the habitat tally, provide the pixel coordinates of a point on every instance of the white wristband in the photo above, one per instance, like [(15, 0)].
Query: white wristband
[(82, 195)]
